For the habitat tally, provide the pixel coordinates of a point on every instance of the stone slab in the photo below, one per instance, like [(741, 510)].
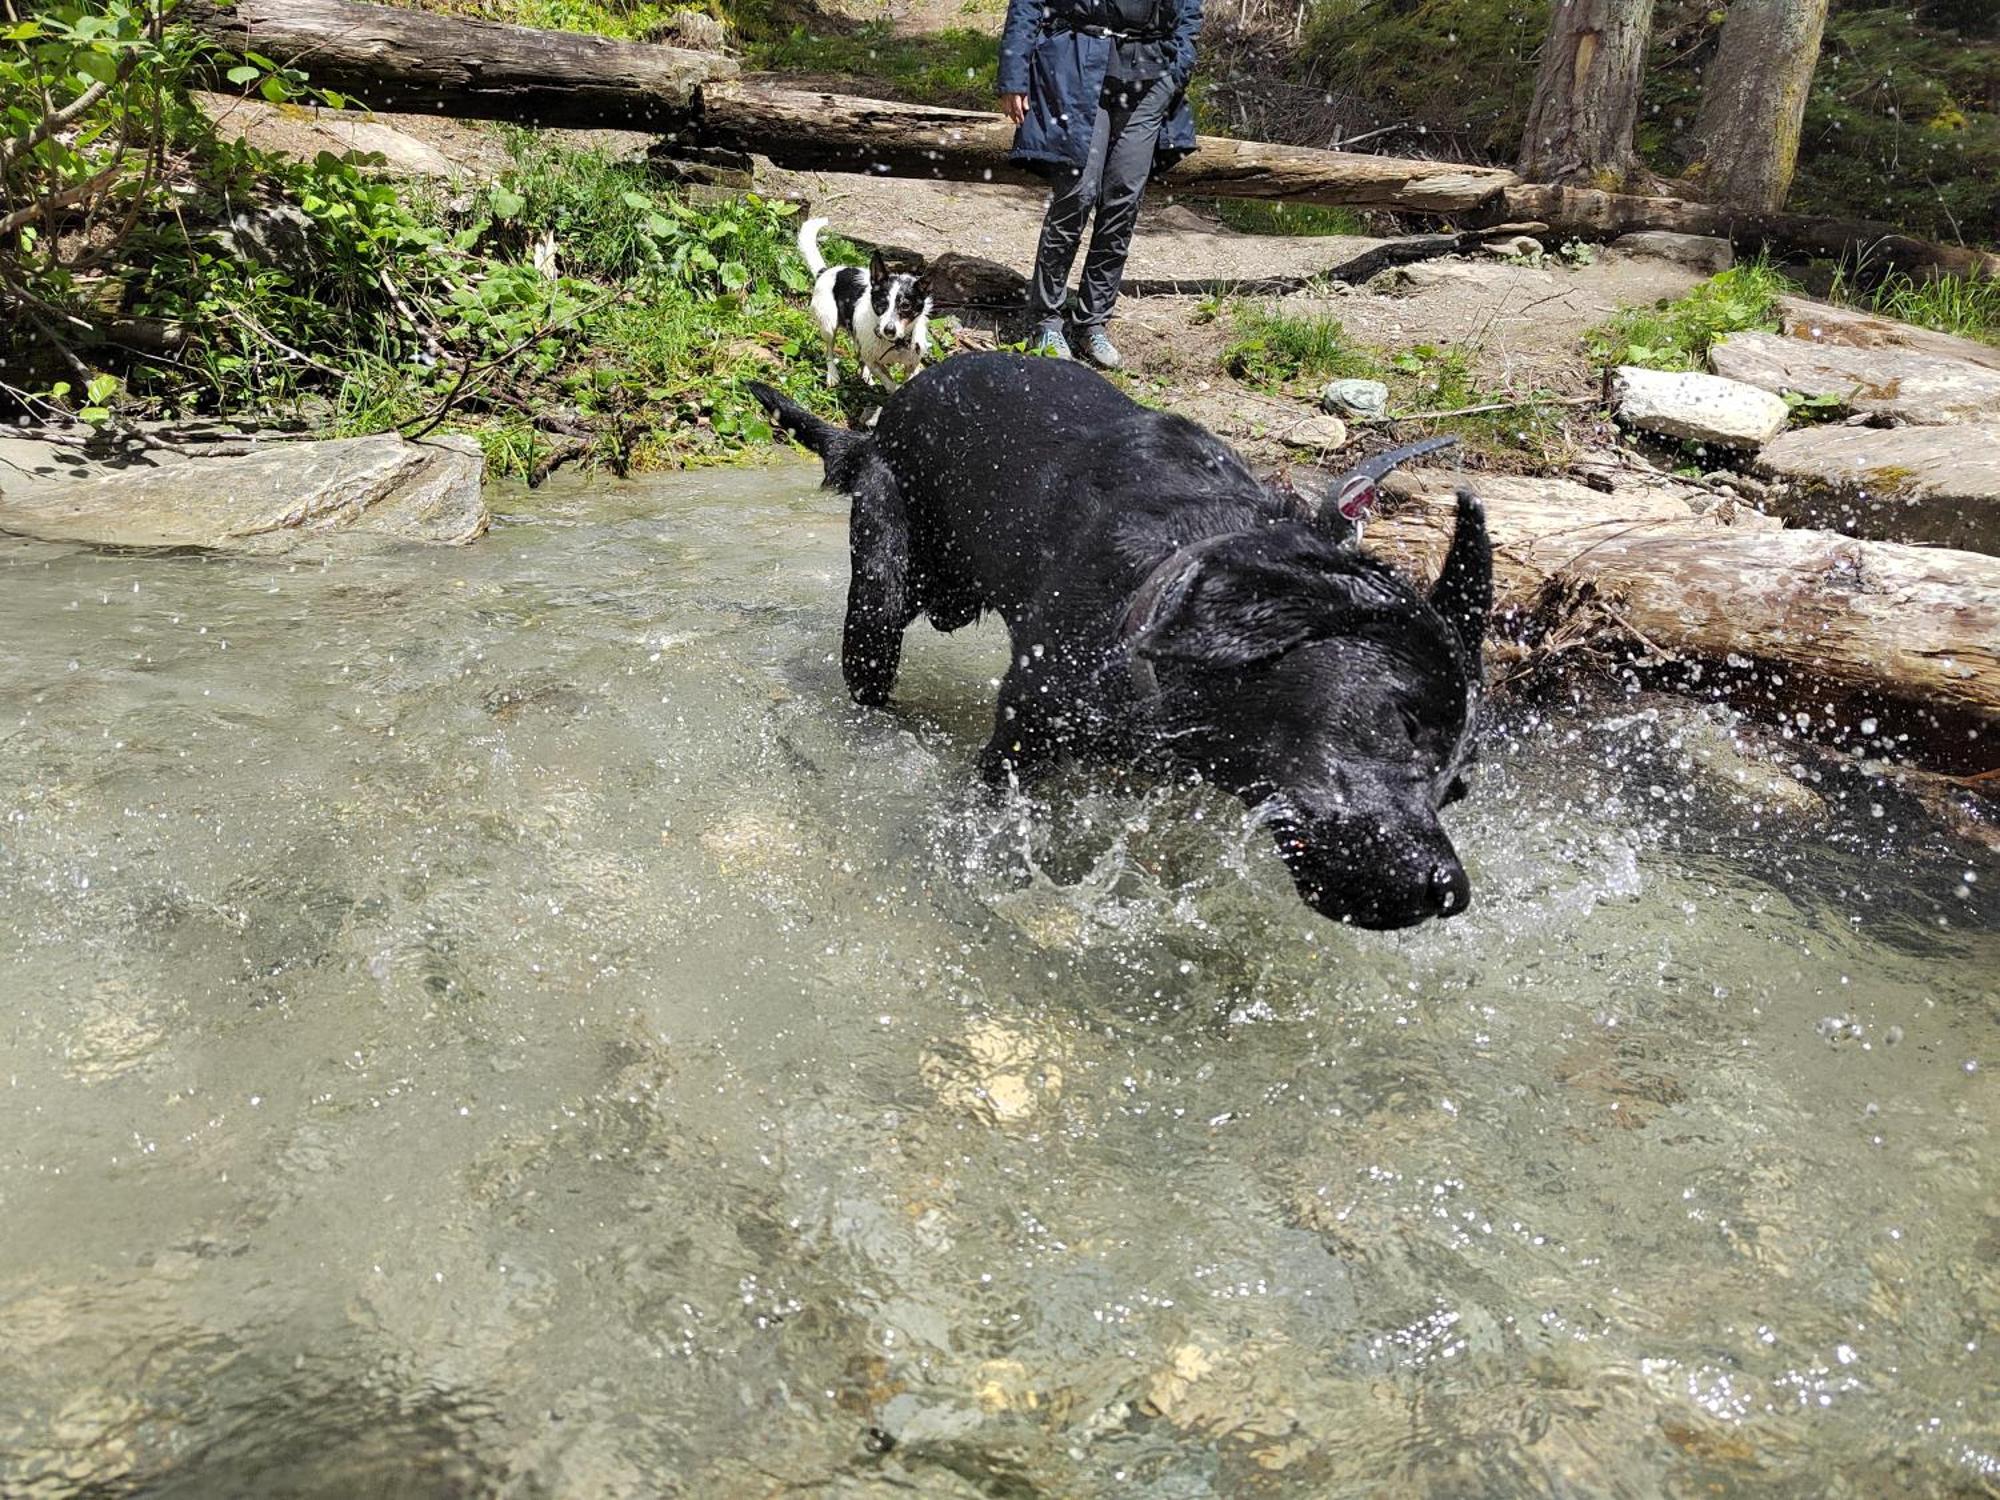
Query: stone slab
[(1824, 323), (1938, 486), (1903, 385), (1698, 408), (427, 492)]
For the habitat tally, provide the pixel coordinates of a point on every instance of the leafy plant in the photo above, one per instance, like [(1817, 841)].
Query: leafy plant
[(1676, 334)]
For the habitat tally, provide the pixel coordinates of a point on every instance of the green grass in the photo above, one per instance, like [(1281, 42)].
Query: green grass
[(1950, 304), (1296, 352), (1273, 348), (629, 20), (1676, 335), (1267, 216), (958, 68)]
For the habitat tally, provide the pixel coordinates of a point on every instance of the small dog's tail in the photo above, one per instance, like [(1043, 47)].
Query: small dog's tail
[(809, 247)]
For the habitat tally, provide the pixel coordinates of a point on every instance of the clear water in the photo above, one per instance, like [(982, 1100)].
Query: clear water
[(499, 1022)]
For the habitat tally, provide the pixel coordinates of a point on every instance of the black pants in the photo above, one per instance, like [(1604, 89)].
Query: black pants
[(1129, 118)]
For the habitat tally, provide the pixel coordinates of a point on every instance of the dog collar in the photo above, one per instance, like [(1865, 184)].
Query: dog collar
[(1171, 574)]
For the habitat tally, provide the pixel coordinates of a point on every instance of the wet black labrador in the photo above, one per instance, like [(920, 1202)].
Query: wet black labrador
[(1166, 606)]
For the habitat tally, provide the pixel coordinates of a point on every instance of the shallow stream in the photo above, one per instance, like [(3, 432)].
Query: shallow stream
[(500, 1022)]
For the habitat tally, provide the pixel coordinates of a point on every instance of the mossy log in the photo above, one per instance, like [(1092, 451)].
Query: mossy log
[(413, 61), (1790, 621)]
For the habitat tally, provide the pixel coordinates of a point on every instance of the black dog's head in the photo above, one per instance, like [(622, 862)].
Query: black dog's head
[(900, 301), (1326, 691)]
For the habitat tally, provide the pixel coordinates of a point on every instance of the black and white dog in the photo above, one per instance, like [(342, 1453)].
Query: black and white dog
[(887, 316), (1165, 606)]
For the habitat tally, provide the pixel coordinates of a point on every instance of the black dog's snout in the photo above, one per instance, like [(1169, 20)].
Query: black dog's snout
[(1449, 889)]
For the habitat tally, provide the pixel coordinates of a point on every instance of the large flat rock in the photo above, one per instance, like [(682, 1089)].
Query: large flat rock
[(1935, 485), (426, 492), (1697, 408), (1823, 323), (1905, 385)]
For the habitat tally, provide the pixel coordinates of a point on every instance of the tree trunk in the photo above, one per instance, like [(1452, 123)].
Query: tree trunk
[(420, 63), (1797, 619), (1586, 102), (835, 133), (1753, 103)]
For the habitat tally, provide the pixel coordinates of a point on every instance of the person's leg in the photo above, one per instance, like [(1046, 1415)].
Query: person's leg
[(1062, 225), (1128, 162)]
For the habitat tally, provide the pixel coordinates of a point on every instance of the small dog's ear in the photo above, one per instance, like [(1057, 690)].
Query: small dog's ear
[(1463, 593), (924, 290), (878, 268)]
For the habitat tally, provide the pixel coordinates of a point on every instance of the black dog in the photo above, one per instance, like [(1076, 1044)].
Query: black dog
[(1165, 605)]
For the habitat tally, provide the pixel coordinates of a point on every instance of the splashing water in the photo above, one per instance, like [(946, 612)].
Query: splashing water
[(507, 1025)]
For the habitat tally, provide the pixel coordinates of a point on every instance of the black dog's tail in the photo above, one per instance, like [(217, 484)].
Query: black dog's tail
[(880, 602), (821, 436)]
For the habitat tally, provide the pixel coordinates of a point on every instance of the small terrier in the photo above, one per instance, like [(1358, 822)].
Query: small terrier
[(887, 316)]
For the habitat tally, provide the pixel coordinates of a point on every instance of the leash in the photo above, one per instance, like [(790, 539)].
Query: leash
[(1359, 490)]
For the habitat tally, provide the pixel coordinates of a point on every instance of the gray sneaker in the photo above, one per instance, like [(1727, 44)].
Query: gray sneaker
[(1049, 340), (1099, 350)]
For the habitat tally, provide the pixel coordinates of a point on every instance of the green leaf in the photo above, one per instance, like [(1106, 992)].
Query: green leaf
[(333, 100), (274, 90), (94, 415), (507, 204), (734, 275), (101, 389), (638, 200), (21, 31), (242, 73)]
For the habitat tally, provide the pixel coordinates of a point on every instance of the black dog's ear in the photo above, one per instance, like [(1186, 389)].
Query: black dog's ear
[(878, 268), (1230, 613), (1463, 593), (924, 290)]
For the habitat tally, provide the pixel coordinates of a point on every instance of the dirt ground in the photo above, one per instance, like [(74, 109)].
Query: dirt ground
[(1523, 323)]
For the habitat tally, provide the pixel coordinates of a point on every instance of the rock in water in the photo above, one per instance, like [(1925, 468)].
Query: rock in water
[(1700, 251), (1905, 385), (425, 492), (1934, 485), (1700, 408), (1356, 400)]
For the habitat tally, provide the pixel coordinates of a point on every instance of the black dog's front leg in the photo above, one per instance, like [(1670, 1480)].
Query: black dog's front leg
[(1025, 743), (879, 602)]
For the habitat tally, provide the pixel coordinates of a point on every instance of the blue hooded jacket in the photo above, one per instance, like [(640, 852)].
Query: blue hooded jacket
[(1062, 73)]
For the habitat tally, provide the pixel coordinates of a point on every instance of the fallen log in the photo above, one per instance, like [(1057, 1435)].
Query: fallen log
[(812, 131), (1796, 621), (1589, 214), (414, 61)]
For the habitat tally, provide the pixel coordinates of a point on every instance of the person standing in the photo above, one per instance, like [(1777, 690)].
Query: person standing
[(1097, 91)]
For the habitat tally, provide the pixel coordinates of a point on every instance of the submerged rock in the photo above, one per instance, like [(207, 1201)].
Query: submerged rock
[(1934, 485), (1903, 385), (425, 492), (1699, 408), (995, 1072)]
